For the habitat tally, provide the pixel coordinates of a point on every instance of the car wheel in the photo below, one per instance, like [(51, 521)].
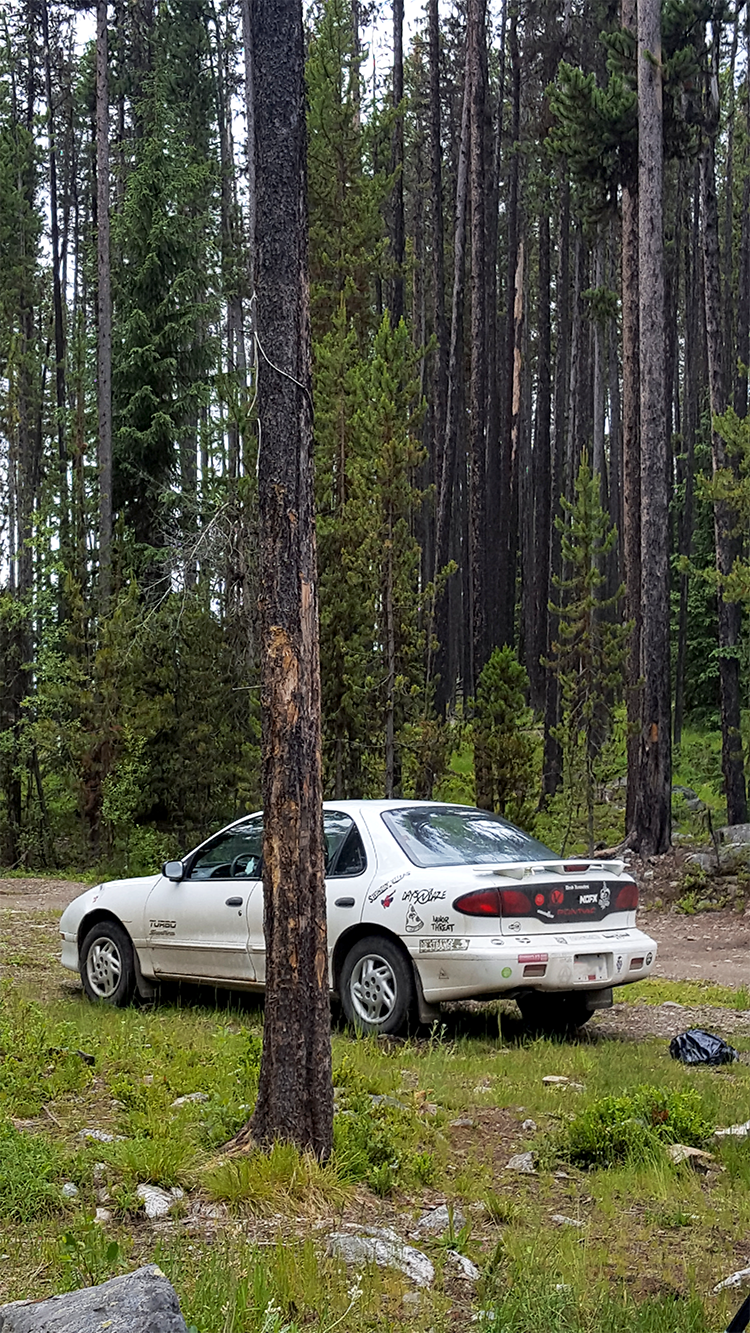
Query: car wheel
[(377, 985), (107, 963), (553, 1012)]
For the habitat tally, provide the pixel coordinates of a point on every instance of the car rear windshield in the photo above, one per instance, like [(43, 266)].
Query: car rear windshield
[(436, 836)]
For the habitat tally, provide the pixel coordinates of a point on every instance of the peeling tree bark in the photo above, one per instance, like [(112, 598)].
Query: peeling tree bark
[(725, 517), (652, 816), (104, 310), (631, 462), (295, 1096)]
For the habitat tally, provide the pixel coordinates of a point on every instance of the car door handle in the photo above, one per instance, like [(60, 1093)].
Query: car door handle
[(234, 902)]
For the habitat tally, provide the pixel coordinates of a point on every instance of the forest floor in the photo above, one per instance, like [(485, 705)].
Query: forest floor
[(110, 1100)]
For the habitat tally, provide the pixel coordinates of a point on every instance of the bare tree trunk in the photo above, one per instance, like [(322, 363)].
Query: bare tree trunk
[(542, 472), (686, 464), (743, 277), (631, 462), (652, 822), (446, 489), (725, 518), (252, 190), (397, 165), (295, 1095), (104, 311), (440, 362), (478, 392), (508, 499), (57, 299), (552, 761), (390, 654)]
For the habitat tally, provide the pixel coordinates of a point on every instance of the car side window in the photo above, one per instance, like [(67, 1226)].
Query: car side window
[(235, 854), (345, 852)]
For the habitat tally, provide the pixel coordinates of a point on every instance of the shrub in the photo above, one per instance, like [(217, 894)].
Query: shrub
[(634, 1125)]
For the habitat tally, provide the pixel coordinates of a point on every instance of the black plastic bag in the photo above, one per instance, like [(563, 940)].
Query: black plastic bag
[(741, 1319), (696, 1047)]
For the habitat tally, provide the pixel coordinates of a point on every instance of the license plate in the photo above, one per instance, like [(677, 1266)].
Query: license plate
[(590, 967)]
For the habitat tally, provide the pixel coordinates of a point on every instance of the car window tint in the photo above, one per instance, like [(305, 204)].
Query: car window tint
[(345, 853), (434, 836), (235, 854)]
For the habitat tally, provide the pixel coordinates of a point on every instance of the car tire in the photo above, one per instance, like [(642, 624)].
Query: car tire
[(107, 964), (553, 1012), (377, 985)]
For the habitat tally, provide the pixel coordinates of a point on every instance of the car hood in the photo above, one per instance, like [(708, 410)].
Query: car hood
[(114, 894)]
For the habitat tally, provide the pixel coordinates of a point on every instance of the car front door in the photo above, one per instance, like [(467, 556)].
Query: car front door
[(197, 928)]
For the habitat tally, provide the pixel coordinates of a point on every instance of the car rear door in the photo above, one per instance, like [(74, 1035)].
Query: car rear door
[(350, 867)]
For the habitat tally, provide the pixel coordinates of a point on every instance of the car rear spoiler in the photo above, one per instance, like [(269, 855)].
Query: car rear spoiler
[(522, 869)]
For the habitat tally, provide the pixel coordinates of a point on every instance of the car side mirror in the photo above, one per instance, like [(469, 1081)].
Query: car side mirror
[(173, 870)]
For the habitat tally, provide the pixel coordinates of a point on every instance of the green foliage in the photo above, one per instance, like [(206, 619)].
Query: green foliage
[(345, 201), (589, 654), (39, 1059), (596, 115), (504, 750), (368, 412), (30, 1175), (161, 352), (88, 1255), (531, 1301), (634, 1125)]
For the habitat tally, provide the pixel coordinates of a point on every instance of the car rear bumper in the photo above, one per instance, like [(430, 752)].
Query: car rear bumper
[(463, 968)]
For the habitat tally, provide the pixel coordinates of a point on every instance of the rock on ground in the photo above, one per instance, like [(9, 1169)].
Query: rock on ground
[(523, 1162), (382, 1246), (140, 1302), (438, 1221), (157, 1202)]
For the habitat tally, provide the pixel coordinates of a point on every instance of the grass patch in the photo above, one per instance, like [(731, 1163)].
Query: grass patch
[(654, 1239), (30, 1175), (655, 990), (282, 1180)]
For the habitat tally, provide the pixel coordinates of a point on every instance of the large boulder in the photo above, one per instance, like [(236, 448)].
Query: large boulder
[(141, 1302)]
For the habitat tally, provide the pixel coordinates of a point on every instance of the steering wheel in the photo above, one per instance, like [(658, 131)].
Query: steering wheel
[(239, 864)]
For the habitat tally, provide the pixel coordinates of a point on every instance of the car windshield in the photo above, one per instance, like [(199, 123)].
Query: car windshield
[(438, 836)]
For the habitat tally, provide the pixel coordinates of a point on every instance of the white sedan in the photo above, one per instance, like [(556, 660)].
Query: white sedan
[(426, 902)]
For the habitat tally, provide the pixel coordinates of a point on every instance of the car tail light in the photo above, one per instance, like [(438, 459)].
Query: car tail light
[(514, 903), (482, 902), (627, 898), (535, 969), (636, 964)]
